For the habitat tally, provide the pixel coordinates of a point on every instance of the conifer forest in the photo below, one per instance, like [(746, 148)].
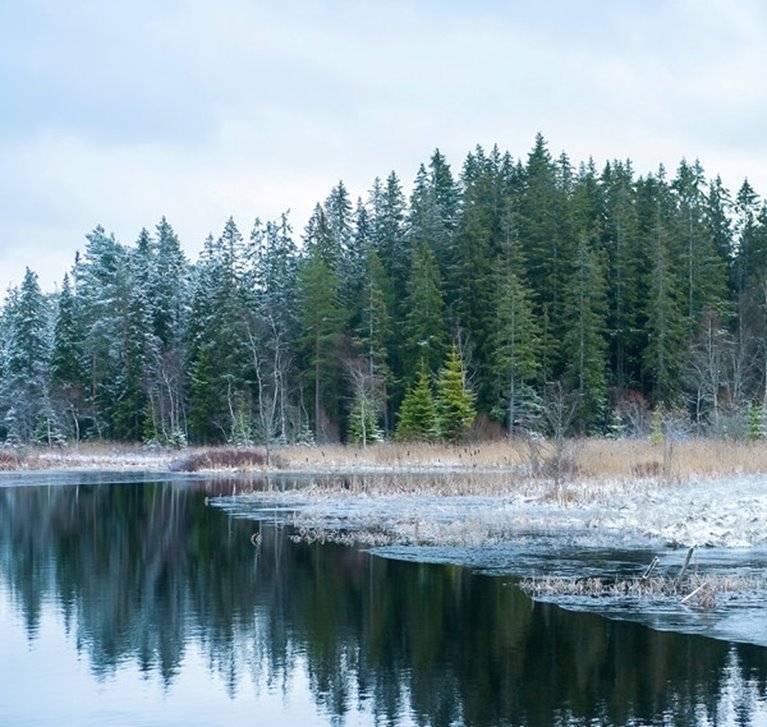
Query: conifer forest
[(512, 295)]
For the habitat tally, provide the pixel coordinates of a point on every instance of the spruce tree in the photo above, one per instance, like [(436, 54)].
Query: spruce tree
[(584, 344), (102, 282), (417, 418), (25, 391), (322, 321), (424, 332), (516, 340), (625, 261), (68, 380), (454, 400)]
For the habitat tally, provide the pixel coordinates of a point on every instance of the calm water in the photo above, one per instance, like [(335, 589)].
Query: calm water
[(138, 604)]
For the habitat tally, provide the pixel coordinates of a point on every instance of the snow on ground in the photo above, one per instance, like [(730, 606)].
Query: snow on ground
[(729, 512), (609, 531), (147, 461)]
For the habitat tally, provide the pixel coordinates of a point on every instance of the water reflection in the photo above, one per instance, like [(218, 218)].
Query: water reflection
[(141, 574)]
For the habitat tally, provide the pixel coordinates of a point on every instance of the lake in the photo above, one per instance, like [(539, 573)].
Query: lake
[(138, 603)]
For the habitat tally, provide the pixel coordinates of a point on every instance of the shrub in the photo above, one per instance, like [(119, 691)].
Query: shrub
[(224, 458)]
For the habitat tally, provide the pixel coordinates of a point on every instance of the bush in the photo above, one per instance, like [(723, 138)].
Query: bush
[(224, 458)]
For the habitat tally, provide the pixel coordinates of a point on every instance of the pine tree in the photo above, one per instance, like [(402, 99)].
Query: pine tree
[(68, 382), (705, 271), (389, 238), (454, 400), (219, 360), (322, 323), (25, 391), (131, 379), (542, 220), (272, 329), (471, 264), (516, 338), (584, 344), (417, 417), (424, 333), (374, 332), (663, 355), (625, 260), (103, 286), (168, 301)]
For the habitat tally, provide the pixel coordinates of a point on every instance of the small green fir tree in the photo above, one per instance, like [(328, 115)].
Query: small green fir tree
[(755, 421), (455, 402), (417, 418)]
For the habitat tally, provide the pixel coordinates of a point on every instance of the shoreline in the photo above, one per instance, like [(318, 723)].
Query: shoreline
[(580, 460)]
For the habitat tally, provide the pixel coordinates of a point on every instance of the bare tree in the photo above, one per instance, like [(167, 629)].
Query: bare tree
[(560, 407), (368, 404)]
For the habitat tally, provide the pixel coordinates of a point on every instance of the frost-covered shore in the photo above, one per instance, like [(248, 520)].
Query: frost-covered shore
[(465, 495), (726, 512)]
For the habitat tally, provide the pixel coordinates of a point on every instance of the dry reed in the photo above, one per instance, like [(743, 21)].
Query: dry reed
[(626, 460), (697, 589), (591, 458)]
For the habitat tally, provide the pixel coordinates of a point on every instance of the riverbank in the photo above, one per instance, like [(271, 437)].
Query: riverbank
[(578, 460)]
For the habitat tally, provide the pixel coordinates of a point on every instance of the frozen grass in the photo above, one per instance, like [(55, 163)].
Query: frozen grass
[(600, 462), (702, 590), (482, 508), (417, 456), (12, 459)]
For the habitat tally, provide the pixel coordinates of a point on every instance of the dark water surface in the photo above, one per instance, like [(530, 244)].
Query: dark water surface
[(138, 604)]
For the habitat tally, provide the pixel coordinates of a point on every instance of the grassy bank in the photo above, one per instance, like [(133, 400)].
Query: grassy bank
[(580, 459), (583, 458)]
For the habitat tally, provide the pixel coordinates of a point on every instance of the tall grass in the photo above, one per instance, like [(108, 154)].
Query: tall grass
[(589, 458)]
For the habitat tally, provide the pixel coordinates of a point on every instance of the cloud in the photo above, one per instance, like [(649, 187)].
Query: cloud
[(120, 114)]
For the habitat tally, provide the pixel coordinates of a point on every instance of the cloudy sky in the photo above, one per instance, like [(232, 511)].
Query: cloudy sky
[(117, 113)]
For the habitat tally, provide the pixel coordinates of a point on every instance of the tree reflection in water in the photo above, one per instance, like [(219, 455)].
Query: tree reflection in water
[(143, 572)]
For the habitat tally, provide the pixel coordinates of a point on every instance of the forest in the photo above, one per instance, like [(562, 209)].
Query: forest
[(471, 306)]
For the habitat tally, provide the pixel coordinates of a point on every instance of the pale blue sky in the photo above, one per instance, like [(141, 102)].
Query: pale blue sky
[(118, 113)]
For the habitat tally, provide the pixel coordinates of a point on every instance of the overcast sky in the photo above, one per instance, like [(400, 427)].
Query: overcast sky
[(117, 113)]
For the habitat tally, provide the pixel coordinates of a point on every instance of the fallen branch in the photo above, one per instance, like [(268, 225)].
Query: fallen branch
[(702, 587)]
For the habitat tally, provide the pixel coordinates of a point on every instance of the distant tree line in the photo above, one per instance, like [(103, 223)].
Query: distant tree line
[(407, 316)]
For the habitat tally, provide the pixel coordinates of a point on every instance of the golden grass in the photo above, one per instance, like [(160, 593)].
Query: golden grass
[(403, 455), (600, 459), (693, 457), (589, 458)]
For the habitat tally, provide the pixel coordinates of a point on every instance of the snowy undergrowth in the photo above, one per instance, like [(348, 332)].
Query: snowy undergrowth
[(727, 512)]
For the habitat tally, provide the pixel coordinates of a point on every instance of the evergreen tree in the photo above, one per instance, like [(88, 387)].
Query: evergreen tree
[(516, 337), (131, 377), (417, 418), (219, 358), (272, 329), (454, 400), (388, 230), (542, 219), (102, 284), (663, 356), (375, 328), (322, 321), (25, 392), (168, 301), (705, 271), (424, 334), (68, 380), (470, 271), (625, 261), (584, 343)]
